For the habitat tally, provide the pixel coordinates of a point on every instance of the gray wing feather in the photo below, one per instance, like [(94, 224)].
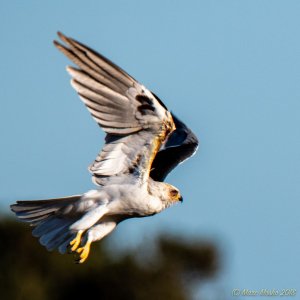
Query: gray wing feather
[(100, 83), (130, 114), (118, 154), (111, 110)]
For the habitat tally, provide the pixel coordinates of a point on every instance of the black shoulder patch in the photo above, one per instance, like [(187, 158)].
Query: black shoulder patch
[(146, 106), (144, 100)]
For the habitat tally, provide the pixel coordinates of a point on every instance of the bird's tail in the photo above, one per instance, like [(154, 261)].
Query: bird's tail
[(51, 219)]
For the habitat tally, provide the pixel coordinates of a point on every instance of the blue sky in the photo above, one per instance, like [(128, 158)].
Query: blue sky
[(229, 69)]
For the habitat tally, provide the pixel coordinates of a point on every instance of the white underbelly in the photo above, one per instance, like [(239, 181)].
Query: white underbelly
[(134, 200)]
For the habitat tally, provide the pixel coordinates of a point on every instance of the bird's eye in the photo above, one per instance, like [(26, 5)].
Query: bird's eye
[(174, 193)]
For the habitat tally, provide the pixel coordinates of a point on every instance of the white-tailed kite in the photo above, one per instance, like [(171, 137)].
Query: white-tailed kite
[(143, 143)]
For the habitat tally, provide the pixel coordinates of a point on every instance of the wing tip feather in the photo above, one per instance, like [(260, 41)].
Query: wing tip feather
[(72, 71), (63, 37)]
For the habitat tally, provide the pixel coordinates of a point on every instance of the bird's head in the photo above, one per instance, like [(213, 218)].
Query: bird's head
[(170, 195), (167, 193), (174, 194)]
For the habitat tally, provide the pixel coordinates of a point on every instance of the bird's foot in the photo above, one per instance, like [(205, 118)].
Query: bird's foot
[(83, 252), (76, 241)]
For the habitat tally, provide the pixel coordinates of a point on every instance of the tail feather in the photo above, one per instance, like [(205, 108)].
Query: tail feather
[(32, 205), (61, 241), (46, 239), (62, 248), (56, 237), (48, 225), (35, 216), (35, 220), (51, 222)]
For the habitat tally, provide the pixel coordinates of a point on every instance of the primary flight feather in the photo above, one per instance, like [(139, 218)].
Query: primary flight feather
[(143, 143)]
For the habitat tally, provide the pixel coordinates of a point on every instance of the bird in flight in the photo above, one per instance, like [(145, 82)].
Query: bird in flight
[(144, 142)]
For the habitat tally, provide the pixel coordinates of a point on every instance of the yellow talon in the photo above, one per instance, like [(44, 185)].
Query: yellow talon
[(76, 242), (84, 252)]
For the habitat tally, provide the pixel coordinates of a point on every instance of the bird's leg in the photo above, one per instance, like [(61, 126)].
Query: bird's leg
[(76, 241), (95, 233), (84, 251)]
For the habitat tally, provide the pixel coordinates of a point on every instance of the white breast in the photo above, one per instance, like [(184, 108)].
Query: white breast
[(133, 200)]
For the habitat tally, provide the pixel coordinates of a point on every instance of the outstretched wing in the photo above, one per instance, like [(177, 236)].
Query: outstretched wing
[(180, 145), (136, 122)]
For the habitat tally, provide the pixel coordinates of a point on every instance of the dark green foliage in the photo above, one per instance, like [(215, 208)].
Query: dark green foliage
[(28, 271)]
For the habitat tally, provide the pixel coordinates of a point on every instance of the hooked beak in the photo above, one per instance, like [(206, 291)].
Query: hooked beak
[(180, 199)]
